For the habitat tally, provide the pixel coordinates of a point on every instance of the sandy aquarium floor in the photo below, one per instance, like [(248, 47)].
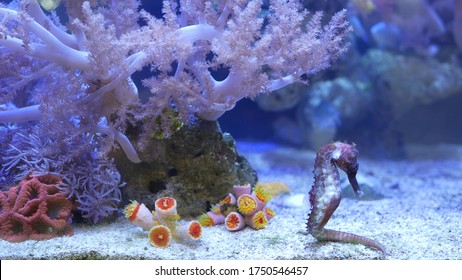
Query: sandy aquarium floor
[(415, 211)]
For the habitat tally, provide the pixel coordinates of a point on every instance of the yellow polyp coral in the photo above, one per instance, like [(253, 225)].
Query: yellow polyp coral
[(258, 220), (262, 194), (211, 219), (269, 213), (163, 224), (131, 209), (232, 221), (246, 204), (236, 213), (205, 220), (230, 199)]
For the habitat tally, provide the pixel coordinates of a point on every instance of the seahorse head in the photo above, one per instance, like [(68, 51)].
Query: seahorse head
[(345, 157)]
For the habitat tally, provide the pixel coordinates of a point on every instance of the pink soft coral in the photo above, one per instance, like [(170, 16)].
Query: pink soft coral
[(87, 67), (34, 209)]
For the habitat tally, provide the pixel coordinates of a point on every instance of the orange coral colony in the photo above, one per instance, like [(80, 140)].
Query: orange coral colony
[(249, 209), (160, 236), (163, 224)]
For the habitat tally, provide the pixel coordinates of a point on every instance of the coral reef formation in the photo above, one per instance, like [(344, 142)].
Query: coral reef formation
[(325, 194), (201, 58), (163, 223), (35, 209), (242, 207)]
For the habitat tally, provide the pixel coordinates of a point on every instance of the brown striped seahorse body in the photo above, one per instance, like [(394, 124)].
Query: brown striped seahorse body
[(325, 194)]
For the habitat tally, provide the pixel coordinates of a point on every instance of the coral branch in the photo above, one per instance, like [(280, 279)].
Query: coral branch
[(51, 48), (37, 13), (30, 113)]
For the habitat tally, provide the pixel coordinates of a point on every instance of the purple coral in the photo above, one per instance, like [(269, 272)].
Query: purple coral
[(95, 186), (92, 181)]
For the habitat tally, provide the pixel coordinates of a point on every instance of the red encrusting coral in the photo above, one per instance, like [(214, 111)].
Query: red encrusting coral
[(35, 209)]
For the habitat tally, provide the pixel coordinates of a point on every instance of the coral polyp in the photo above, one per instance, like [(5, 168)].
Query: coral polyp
[(247, 204), (139, 215), (257, 220), (230, 199), (241, 189), (160, 236), (166, 205), (261, 194), (131, 210), (234, 221), (269, 213), (211, 219), (325, 194), (190, 231), (195, 230)]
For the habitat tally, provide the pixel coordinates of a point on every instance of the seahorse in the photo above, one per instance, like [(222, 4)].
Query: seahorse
[(325, 194)]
